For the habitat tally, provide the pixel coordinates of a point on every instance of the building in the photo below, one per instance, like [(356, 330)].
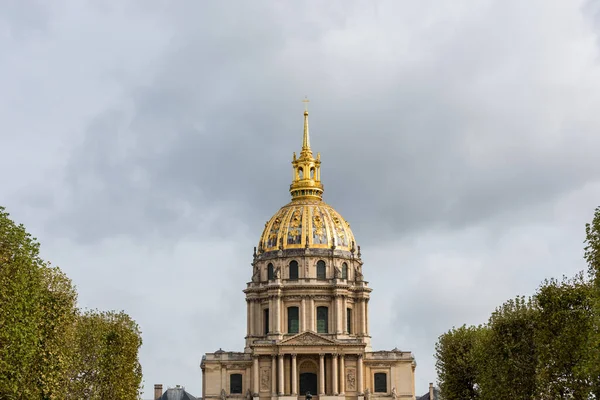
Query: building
[(308, 310), (176, 393)]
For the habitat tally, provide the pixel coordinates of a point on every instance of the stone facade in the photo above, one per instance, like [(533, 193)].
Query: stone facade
[(308, 311)]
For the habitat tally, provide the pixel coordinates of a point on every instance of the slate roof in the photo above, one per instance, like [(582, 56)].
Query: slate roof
[(436, 395), (177, 393)]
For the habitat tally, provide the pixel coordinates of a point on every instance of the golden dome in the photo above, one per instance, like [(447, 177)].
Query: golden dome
[(307, 221)]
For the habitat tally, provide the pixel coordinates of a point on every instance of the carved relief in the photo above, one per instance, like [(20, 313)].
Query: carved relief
[(351, 379), (265, 380), (295, 227)]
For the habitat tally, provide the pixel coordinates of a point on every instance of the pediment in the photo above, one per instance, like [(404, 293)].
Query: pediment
[(307, 339)]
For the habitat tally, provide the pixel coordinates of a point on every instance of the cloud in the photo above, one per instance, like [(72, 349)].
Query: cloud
[(148, 145)]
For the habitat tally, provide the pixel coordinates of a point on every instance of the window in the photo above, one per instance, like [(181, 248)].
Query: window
[(322, 320), (270, 272), (349, 320), (321, 270), (266, 321), (312, 173), (293, 320), (294, 270), (380, 382), (300, 173), (344, 271), (235, 383)]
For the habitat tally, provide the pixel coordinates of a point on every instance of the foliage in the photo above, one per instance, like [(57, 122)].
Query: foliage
[(562, 334), (505, 354), (455, 363), (106, 363), (45, 343), (37, 311), (543, 348), (592, 256)]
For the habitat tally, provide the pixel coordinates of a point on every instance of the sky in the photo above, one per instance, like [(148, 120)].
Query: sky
[(145, 144)]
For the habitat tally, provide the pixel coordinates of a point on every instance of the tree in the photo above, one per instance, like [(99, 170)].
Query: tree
[(506, 356), (564, 325), (456, 363), (592, 256), (37, 311), (106, 357)]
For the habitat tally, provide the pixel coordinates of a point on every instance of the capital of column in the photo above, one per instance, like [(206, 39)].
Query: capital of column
[(293, 355)]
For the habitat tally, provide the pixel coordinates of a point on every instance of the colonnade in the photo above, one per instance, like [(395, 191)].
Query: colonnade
[(337, 305), (278, 378)]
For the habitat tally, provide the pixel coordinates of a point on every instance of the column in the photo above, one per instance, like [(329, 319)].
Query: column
[(250, 317), (345, 314), (336, 304), (359, 373), (367, 317), (273, 375), (342, 375), (321, 374), (294, 376), (271, 314), (303, 315), (363, 317), (312, 317), (334, 374), (255, 375), (278, 317), (280, 370)]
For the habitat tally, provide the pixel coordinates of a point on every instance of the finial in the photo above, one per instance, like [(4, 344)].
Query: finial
[(294, 156), (306, 138)]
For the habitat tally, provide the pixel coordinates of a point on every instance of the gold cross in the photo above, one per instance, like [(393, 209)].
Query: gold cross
[(305, 101)]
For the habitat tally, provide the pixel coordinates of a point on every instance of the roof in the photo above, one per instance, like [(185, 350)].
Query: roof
[(176, 393), (436, 395)]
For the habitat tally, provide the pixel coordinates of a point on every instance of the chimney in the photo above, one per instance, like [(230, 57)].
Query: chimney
[(158, 391), (431, 394)]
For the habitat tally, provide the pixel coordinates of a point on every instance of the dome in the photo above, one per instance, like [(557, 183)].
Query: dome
[(306, 223)]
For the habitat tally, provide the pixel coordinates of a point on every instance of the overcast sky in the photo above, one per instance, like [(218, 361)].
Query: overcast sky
[(145, 144)]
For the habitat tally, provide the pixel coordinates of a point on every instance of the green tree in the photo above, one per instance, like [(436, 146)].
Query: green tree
[(592, 256), (564, 325), (506, 356), (456, 363), (37, 311), (106, 357)]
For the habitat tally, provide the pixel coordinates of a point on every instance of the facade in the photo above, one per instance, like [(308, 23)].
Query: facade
[(308, 311)]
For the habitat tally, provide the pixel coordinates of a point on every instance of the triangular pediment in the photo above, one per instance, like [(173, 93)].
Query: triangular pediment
[(307, 339)]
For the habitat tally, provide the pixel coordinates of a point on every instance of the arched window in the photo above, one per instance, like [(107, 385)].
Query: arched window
[(380, 382), (294, 270), (235, 383), (266, 321), (312, 173), (321, 271), (344, 271), (349, 320), (293, 319), (322, 320), (270, 272), (300, 173)]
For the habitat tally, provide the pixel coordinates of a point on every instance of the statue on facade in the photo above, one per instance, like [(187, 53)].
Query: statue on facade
[(223, 394), (394, 394), (308, 395), (277, 272), (337, 272), (358, 276), (248, 395), (367, 394), (256, 273)]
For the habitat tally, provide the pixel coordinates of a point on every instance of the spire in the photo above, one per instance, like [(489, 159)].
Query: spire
[(307, 170), (306, 138)]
